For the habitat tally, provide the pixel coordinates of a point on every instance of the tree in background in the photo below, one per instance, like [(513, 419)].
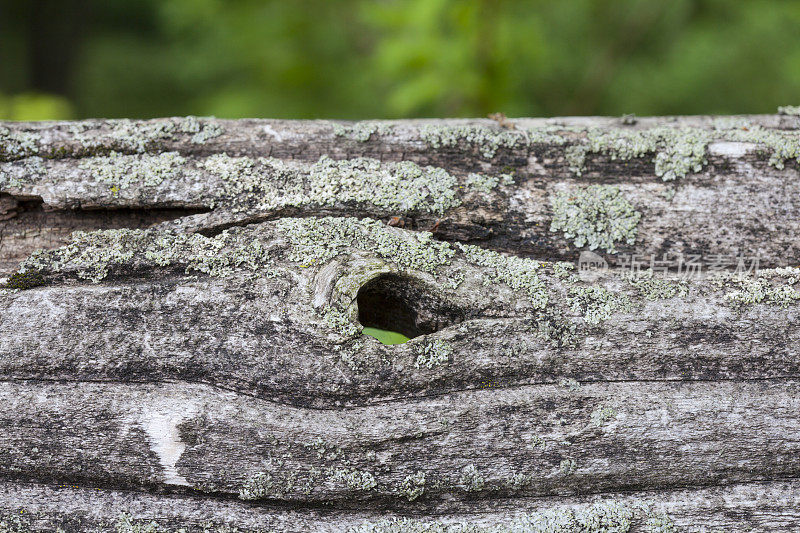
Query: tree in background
[(395, 58)]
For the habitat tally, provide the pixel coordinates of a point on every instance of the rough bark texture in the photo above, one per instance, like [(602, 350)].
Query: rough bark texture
[(199, 363)]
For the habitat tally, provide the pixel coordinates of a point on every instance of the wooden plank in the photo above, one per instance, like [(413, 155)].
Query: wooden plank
[(200, 361), (270, 324), (540, 440), (700, 185), (770, 506)]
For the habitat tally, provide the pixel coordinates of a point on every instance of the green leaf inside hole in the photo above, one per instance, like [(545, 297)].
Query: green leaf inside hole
[(386, 337)]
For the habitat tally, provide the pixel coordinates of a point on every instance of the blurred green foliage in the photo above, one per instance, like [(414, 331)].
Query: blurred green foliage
[(395, 58), (34, 106)]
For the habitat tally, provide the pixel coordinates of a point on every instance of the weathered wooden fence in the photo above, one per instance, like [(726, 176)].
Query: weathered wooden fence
[(198, 362)]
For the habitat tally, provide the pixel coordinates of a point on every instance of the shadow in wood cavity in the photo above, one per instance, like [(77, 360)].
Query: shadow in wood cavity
[(396, 303), (27, 224)]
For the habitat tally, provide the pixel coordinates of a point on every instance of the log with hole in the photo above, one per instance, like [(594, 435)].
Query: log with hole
[(603, 320)]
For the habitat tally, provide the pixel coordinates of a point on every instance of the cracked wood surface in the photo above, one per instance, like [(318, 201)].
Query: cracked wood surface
[(203, 374), (738, 204)]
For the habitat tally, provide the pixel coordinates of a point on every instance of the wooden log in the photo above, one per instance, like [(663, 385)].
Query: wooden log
[(199, 361)]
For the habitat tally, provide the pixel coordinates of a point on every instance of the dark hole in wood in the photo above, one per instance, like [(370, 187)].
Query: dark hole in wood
[(397, 303)]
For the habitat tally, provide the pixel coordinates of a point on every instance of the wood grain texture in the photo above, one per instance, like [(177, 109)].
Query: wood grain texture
[(770, 506), (201, 363), (538, 440)]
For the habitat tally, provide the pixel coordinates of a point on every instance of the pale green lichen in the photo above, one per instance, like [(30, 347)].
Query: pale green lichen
[(93, 254), (413, 486), (558, 332), (596, 216), (122, 171), (518, 481), (758, 291), (602, 414), (596, 303), (661, 523), (14, 524), (537, 442), (311, 242), (783, 146), (339, 322), (567, 466), (519, 273), (316, 241), (488, 140), (653, 288), (789, 275), (486, 183), (678, 151), (789, 110), (19, 174), (471, 480), (18, 144), (124, 135), (510, 349), (359, 480), (454, 279), (570, 383), (762, 290), (562, 269), (267, 184), (127, 524), (352, 354), (403, 187), (432, 354), (277, 482), (362, 131), (202, 129), (237, 171), (324, 449), (605, 516), (257, 487), (138, 136)]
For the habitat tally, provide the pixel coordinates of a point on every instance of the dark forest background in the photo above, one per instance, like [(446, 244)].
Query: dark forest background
[(395, 58)]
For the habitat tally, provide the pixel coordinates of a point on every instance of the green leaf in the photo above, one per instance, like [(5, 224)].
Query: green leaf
[(386, 337)]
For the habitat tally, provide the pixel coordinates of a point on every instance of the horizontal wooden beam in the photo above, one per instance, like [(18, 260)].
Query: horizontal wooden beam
[(604, 318)]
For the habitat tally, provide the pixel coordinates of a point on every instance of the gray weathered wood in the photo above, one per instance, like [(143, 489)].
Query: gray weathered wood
[(738, 204), (763, 506), (210, 370)]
